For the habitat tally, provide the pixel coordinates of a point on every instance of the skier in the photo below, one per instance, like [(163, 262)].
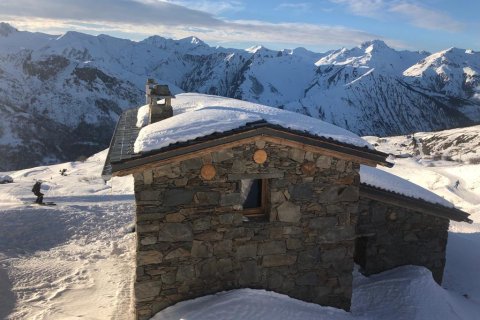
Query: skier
[(456, 184), (36, 191)]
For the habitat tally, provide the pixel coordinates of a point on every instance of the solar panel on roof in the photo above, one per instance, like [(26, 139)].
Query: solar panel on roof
[(123, 140)]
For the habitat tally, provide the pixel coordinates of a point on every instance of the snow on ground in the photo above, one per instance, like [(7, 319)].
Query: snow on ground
[(404, 293), (75, 260), (252, 305), (5, 179), (198, 115)]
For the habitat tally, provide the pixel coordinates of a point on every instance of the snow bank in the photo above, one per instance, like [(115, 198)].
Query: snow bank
[(461, 268), (383, 180), (142, 116), (250, 304), (200, 115), (406, 293), (5, 179)]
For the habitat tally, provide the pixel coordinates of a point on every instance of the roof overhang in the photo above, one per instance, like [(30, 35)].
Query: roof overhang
[(251, 132), (414, 204)]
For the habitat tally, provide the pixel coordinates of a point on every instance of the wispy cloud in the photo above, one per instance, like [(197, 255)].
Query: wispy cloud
[(214, 7), (426, 18), (147, 17), (296, 6), (416, 14), (121, 11), (298, 33), (365, 8)]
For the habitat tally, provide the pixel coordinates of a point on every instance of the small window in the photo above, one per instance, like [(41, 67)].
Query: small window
[(254, 192)]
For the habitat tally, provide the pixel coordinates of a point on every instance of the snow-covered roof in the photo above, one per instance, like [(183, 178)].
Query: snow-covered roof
[(386, 181), (199, 115), (142, 116)]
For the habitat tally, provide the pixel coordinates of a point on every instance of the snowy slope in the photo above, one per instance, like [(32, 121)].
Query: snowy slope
[(75, 260), (461, 145), (81, 83), (71, 260)]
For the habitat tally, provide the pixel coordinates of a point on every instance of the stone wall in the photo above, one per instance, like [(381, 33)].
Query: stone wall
[(396, 236), (193, 240)]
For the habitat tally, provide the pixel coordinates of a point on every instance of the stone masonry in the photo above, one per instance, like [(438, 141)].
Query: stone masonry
[(395, 236), (193, 240)]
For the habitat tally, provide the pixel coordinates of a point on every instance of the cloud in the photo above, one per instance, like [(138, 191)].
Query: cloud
[(143, 18), (245, 32), (365, 8), (297, 33), (120, 11), (426, 18), (214, 7), (416, 14), (296, 6)]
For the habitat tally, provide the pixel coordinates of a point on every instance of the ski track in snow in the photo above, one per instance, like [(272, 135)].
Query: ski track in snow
[(69, 261), (76, 260), (461, 191)]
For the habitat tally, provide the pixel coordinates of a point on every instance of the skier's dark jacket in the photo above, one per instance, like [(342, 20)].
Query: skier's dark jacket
[(36, 188)]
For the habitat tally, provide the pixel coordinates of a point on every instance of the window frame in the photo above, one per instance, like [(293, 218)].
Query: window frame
[(262, 210)]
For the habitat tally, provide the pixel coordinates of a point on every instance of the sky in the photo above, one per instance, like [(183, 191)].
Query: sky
[(321, 25)]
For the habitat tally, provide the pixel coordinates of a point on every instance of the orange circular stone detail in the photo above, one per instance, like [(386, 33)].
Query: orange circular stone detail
[(208, 172), (260, 156), (308, 168)]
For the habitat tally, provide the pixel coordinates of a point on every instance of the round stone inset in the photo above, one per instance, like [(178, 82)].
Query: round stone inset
[(308, 168), (208, 172), (260, 156)]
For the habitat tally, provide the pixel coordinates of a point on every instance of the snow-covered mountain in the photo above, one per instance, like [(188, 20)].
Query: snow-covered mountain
[(60, 96)]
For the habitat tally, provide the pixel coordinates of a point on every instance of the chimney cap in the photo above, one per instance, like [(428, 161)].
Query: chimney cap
[(162, 90)]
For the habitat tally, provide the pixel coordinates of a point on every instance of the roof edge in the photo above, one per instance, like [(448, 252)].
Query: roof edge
[(415, 204), (107, 166), (371, 156)]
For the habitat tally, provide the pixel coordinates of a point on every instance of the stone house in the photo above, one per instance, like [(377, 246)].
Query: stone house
[(262, 204)]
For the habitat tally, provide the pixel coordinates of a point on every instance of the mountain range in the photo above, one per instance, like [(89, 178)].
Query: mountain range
[(60, 95)]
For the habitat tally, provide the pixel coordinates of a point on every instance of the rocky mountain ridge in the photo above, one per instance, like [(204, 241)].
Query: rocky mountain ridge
[(60, 96)]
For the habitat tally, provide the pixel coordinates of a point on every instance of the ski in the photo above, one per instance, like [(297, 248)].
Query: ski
[(46, 203)]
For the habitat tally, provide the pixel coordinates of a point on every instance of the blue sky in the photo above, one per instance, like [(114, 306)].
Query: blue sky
[(321, 25)]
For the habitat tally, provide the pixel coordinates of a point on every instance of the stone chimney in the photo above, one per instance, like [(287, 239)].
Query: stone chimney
[(159, 98)]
